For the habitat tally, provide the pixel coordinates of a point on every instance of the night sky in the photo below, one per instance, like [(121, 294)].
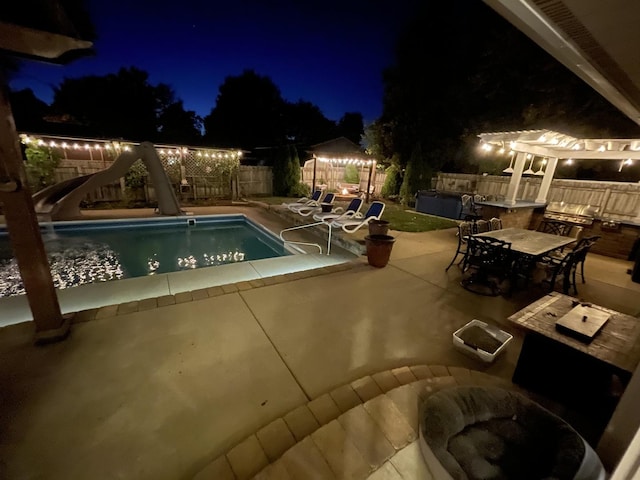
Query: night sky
[(330, 53)]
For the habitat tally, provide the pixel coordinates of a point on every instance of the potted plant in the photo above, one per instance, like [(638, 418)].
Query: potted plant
[(378, 227), (379, 249)]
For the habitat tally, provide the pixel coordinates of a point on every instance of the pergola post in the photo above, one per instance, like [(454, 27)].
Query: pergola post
[(24, 233), (313, 183), (369, 180), (546, 180), (516, 176)]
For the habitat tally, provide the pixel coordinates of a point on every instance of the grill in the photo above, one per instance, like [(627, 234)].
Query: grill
[(571, 213)]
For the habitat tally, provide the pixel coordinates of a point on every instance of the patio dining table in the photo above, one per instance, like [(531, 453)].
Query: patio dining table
[(529, 242), (528, 246)]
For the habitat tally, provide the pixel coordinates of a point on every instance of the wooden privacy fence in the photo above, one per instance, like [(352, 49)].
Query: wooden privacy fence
[(247, 181), (616, 200), (333, 177)]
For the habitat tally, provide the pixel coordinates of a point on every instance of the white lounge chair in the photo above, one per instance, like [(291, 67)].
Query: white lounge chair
[(304, 200), (352, 211), (307, 210), (350, 225)]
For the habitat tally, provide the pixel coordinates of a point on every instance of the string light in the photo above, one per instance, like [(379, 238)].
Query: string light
[(117, 147), (345, 161)]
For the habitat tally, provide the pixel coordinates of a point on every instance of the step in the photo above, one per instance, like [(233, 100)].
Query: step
[(365, 429)]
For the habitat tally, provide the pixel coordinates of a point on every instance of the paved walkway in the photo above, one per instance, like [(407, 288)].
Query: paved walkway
[(366, 429), (162, 392)]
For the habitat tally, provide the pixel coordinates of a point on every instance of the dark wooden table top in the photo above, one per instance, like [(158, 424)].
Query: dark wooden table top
[(617, 343), (529, 242)]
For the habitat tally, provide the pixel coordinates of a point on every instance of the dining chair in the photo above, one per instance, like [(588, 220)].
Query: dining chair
[(482, 226), (587, 243), (495, 223), (489, 262), (554, 227), (464, 231), (563, 268)]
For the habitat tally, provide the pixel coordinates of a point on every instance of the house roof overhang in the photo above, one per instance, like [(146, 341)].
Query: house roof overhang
[(596, 40)]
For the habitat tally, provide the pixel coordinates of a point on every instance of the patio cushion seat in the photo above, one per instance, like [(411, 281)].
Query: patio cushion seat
[(492, 433)]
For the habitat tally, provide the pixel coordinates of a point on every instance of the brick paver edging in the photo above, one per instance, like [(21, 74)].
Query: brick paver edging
[(349, 432), (204, 293)]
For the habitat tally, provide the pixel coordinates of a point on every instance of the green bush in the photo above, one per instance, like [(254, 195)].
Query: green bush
[(40, 166), (417, 176), (351, 174), (391, 185), (286, 170), (300, 190)]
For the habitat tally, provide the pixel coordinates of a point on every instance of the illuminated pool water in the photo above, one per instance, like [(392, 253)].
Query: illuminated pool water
[(104, 250)]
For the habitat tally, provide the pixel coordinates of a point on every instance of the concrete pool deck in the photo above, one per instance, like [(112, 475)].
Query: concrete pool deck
[(15, 309), (159, 393)]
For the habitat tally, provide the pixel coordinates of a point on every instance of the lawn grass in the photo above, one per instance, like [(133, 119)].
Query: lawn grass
[(400, 218), (404, 219)]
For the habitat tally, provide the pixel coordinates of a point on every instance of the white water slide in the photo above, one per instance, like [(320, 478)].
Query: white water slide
[(62, 200)]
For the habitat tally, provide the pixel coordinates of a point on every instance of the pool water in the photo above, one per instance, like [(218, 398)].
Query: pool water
[(88, 252)]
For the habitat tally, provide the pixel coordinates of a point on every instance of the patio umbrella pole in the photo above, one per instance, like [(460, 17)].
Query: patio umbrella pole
[(24, 232)]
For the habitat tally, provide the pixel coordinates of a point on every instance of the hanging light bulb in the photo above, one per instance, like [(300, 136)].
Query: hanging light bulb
[(509, 169), (529, 171), (540, 172), (623, 163)]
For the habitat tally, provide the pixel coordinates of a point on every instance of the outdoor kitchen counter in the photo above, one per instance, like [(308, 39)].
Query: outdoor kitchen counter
[(519, 215)]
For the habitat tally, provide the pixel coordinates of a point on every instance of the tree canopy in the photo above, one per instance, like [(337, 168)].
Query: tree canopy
[(126, 105), (460, 69)]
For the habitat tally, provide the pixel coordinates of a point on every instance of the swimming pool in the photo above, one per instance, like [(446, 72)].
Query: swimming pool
[(82, 252)]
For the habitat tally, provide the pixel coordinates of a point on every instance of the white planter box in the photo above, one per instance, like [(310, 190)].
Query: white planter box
[(475, 351)]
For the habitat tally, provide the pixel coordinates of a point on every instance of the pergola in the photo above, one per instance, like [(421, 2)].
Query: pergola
[(342, 151), (524, 146)]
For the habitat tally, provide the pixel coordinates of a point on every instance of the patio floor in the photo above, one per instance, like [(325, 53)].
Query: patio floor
[(159, 393)]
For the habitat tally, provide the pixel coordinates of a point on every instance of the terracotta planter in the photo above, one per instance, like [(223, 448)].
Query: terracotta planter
[(379, 249), (378, 227)]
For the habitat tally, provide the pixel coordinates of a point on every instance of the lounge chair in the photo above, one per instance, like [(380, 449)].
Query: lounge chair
[(304, 200), (350, 225), (352, 211), (307, 210)]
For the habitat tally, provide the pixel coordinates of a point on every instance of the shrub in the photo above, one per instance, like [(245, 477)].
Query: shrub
[(286, 170), (300, 190), (392, 182), (351, 174), (40, 166)]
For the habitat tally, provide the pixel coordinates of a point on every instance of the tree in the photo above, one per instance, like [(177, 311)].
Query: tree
[(306, 125), (286, 171), (40, 166), (28, 110), (351, 126), (417, 176), (248, 113), (392, 182), (293, 177), (177, 125), (490, 77), (126, 105)]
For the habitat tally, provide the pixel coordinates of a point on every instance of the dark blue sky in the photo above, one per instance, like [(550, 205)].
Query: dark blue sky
[(330, 53)]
